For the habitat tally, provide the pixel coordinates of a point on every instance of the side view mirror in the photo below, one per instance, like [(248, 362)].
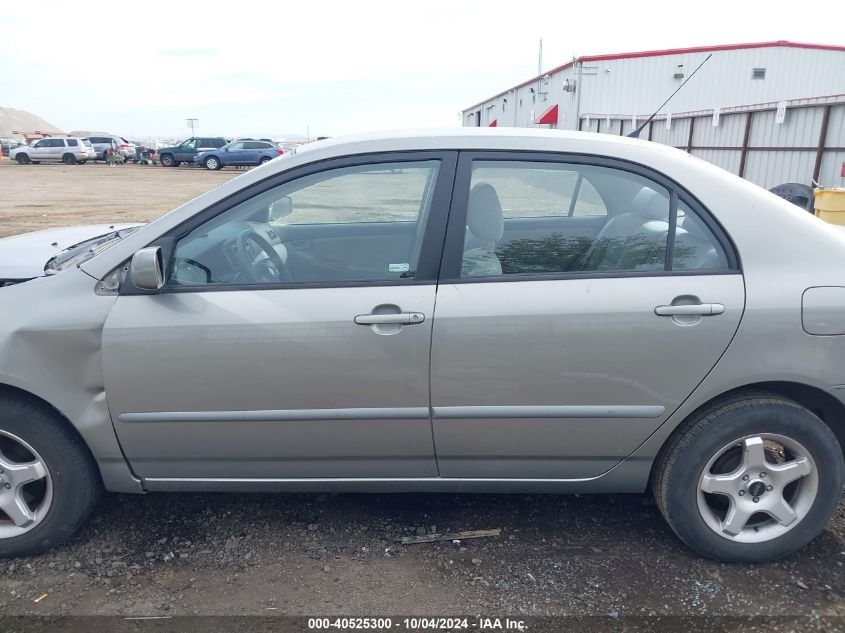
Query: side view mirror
[(281, 208), (147, 268)]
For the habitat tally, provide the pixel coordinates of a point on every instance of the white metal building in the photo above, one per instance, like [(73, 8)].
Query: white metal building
[(773, 112)]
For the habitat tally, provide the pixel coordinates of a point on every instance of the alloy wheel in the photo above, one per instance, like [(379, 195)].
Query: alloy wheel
[(757, 488), (26, 488)]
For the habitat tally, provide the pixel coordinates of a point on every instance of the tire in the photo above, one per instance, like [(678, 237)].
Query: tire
[(74, 481), (729, 431), (82, 162), (23, 159), (264, 160), (213, 163), (69, 159), (167, 160)]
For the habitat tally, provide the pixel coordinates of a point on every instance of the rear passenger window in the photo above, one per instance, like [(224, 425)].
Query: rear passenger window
[(534, 217), (695, 247)]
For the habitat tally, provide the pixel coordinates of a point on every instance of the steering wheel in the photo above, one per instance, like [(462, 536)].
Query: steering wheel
[(259, 260)]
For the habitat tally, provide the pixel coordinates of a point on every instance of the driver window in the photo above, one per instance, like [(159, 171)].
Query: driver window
[(361, 223), (235, 146), (188, 144)]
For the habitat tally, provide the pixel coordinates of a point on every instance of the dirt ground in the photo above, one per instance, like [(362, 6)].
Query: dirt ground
[(185, 554), (36, 197)]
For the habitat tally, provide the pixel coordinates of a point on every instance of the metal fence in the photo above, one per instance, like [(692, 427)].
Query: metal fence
[(803, 143)]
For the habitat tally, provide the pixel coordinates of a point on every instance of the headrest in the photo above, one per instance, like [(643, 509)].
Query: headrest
[(695, 228), (484, 213), (650, 204)]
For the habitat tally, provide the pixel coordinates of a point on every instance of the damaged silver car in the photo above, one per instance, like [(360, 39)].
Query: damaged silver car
[(465, 310)]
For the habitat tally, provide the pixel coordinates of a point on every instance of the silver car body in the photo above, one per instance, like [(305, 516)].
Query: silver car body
[(24, 256), (119, 144), (567, 384), (53, 149)]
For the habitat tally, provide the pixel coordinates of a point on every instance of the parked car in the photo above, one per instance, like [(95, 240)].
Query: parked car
[(69, 150), (188, 149), (116, 143), (243, 152), (607, 319), (8, 144)]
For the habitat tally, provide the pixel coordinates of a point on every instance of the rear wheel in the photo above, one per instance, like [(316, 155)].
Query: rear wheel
[(263, 160), (750, 479), (48, 480), (23, 159), (69, 159)]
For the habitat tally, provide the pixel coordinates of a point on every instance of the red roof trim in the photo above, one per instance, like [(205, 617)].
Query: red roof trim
[(549, 117), (668, 51), (709, 49)]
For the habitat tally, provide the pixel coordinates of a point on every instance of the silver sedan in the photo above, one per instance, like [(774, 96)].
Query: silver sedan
[(464, 310)]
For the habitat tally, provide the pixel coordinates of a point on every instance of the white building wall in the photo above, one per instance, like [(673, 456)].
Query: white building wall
[(640, 85), (611, 92)]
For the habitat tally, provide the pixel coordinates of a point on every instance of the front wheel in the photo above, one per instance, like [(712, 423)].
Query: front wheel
[(212, 162), (750, 479), (167, 160), (49, 482), (23, 159)]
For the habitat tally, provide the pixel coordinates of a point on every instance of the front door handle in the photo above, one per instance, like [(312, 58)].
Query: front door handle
[(402, 318), (695, 309)]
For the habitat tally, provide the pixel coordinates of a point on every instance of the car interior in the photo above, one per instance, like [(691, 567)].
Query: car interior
[(257, 241)]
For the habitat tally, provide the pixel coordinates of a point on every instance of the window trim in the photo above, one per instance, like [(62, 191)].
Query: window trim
[(431, 251), (450, 268)]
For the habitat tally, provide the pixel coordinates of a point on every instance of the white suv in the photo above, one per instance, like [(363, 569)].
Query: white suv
[(68, 150)]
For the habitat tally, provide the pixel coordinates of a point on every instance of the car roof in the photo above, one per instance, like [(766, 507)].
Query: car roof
[(477, 138)]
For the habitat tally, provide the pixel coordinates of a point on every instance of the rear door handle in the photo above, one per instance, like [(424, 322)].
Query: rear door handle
[(403, 318), (695, 309)]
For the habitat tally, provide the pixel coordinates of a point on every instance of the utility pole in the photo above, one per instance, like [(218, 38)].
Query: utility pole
[(540, 59), (191, 123)]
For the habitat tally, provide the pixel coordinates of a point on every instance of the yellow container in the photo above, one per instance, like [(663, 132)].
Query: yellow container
[(830, 205)]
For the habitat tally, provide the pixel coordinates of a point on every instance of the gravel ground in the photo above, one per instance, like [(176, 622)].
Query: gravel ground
[(214, 554), (185, 554)]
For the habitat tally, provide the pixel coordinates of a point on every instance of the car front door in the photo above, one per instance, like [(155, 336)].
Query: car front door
[(235, 154), (186, 151), (292, 337), (40, 150), (559, 344)]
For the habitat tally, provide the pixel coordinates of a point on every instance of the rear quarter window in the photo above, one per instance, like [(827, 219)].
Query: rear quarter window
[(72, 142)]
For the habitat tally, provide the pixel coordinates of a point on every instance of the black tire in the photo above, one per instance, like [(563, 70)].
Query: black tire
[(82, 162), (264, 160), (69, 159), (213, 163), (167, 160), (23, 159), (74, 474), (677, 471)]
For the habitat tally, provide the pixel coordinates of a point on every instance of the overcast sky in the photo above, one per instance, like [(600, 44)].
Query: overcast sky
[(139, 69)]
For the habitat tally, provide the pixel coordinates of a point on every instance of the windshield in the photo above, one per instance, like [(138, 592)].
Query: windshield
[(82, 252)]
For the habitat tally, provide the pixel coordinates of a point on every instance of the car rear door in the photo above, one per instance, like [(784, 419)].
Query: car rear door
[(558, 349), (219, 377)]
